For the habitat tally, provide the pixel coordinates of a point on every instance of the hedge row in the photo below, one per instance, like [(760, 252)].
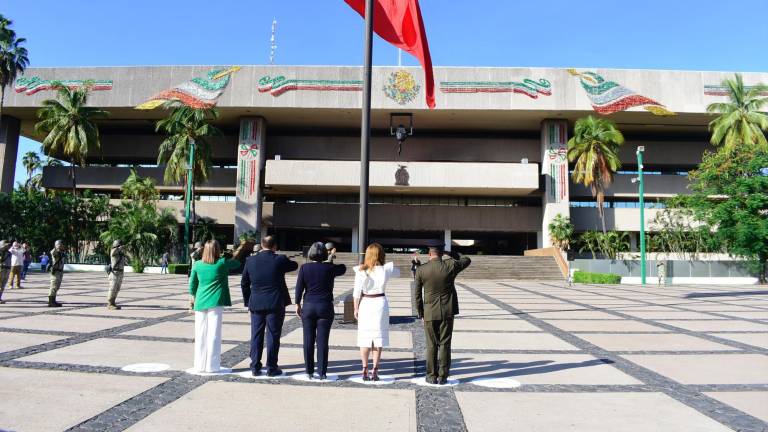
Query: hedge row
[(596, 278), (178, 268)]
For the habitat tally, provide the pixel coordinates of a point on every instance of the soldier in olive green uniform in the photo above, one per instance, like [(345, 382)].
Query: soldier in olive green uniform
[(5, 266), (57, 272), (117, 261), (436, 306)]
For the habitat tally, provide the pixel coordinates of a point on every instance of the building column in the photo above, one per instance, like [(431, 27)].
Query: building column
[(447, 240), (633, 241), (249, 186), (355, 246), (554, 167), (9, 149)]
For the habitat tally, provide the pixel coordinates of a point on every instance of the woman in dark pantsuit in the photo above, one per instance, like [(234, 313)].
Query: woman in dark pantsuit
[(315, 284)]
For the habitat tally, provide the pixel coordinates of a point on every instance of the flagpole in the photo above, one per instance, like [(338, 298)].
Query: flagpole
[(365, 132)]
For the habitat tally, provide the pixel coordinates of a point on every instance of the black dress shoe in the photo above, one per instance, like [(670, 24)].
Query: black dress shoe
[(430, 380), (442, 381), (256, 372), (274, 372), (323, 377)]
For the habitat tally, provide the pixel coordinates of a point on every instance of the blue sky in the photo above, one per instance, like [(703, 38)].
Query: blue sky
[(645, 34)]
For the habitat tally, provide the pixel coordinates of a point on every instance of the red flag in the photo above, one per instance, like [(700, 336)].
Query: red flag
[(399, 23)]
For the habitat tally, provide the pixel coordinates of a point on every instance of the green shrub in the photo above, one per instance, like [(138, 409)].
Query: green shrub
[(596, 278), (178, 268)]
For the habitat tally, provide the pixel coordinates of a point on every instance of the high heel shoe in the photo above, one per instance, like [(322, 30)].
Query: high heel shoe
[(365, 374), (375, 376)]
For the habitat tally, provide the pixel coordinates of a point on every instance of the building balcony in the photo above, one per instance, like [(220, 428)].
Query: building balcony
[(408, 218), (618, 219), (99, 178), (654, 185), (427, 178)]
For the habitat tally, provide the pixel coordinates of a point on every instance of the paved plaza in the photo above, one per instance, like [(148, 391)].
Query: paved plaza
[(527, 356)]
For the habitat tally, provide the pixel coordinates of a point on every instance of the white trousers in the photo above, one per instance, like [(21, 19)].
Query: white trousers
[(208, 339)]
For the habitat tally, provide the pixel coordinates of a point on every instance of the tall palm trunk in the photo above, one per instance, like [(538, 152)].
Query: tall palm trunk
[(2, 103)]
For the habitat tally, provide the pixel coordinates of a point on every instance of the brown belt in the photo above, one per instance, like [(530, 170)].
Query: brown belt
[(373, 295)]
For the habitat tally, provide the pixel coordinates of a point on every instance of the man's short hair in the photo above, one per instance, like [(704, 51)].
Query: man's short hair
[(268, 242), (437, 250)]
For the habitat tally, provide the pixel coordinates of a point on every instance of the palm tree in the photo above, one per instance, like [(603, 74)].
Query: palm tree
[(595, 146), (740, 120), (139, 188), (32, 163), (70, 126), (183, 126), (13, 58)]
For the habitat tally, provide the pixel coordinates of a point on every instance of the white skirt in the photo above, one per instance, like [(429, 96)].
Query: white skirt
[(373, 322)]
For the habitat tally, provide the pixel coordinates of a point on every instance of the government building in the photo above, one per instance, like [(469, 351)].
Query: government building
[(484, 172)]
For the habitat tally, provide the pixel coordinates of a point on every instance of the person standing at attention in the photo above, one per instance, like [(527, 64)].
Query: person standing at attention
[(371, 306), (27, 260), (17, 263), (5, 266), (164, 263), (315, 285), (209, 291), (436, 307), (265, 294), (57, 272), (117, 259)]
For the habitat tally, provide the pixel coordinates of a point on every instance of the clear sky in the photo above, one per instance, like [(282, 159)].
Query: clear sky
[(728, 35)]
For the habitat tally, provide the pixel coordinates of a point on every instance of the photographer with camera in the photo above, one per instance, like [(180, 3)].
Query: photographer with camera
[(117, 259)]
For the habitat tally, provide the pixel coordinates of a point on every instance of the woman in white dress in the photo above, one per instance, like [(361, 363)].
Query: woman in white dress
[(371, 306)]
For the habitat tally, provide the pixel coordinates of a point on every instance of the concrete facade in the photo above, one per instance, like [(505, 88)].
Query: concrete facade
[(487, 164)]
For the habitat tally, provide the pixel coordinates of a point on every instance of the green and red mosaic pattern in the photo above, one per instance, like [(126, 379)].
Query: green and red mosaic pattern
[(608, 97), (528, 87), (34, 84), (247, 159), (280, 84), (556, 160), (195, 93)]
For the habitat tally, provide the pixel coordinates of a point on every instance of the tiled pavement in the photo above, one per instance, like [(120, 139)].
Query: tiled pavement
[(618, 358)]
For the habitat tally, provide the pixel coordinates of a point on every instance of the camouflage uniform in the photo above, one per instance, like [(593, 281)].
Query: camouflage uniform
[(117, 260), (5, 267), (57, 273)]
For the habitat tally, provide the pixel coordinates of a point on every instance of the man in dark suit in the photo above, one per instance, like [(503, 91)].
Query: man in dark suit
[(436, 306), (266, 295)]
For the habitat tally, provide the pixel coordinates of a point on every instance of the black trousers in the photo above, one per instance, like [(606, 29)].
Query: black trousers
[(272, 321), (439, 335), (317, 319)]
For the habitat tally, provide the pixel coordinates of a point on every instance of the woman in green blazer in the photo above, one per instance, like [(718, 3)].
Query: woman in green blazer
[(209, 288)]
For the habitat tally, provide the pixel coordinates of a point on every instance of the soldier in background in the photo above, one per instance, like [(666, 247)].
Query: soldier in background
[(57, 272), (117, 266), (331, 248), (5, 266)]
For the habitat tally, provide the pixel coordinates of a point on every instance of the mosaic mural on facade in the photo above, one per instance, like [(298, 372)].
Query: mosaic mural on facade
[(608, 97), (280, 84), (721, 90), (247, 159), (528, 87), (34, 84), (401, 87), (196, 93), (556, 160)]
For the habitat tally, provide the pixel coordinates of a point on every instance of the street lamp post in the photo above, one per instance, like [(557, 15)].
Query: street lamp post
[(639, 152), (188, 199)]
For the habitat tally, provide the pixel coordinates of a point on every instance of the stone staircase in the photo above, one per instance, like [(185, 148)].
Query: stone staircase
[(483, 266)]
